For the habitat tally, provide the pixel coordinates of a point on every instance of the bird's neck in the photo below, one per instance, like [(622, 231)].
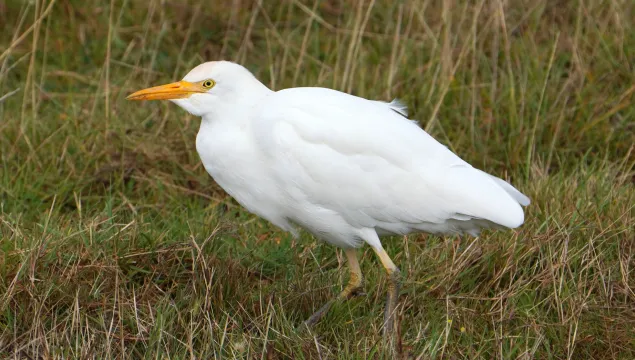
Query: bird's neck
[(236, 104)]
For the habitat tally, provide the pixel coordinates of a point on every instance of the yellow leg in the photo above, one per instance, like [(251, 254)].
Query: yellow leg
[(353, 288), (394, 283), (356, 280)]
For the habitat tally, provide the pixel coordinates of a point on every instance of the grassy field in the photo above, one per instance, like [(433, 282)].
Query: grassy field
[(115, 243)]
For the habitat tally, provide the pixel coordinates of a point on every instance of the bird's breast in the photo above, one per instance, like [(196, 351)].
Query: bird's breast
[(230, 157), (226, 155)]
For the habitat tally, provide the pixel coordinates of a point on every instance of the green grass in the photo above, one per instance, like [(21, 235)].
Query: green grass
[(115, 243)]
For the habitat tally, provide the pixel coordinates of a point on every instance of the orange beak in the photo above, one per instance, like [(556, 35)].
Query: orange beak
[(178, 90)]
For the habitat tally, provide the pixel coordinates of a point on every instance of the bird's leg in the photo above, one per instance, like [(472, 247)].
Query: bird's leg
[(354, 287), (394, 283)]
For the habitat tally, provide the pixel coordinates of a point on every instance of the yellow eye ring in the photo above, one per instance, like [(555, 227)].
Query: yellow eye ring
[(208, 83)]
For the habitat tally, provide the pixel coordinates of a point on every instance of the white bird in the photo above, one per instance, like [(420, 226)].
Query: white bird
[(344, 168)]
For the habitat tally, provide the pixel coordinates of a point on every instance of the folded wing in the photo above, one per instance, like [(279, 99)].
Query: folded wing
[(365, 161)]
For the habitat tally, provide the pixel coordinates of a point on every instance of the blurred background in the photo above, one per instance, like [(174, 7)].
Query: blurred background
[(116, 243)]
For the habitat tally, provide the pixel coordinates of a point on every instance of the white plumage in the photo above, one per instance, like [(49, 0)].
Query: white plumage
[(341, 166), (346, 169)]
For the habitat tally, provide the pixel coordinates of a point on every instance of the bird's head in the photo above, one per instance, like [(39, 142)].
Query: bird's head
[(205, 88)]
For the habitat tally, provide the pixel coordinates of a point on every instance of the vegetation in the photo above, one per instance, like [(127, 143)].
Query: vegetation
[(115, 243)]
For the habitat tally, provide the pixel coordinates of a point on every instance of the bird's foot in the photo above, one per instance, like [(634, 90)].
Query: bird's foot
[(318, 315), (353, 289)]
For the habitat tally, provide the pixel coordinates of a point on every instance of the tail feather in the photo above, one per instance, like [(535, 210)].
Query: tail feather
[(512, 191)]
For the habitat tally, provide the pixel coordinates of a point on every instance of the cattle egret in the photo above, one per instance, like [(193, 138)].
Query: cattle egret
[(344, 168)]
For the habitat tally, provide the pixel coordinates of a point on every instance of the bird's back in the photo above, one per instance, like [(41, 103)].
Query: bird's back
[(343, 161)]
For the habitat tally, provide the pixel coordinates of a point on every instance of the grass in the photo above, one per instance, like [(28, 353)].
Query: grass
[(115, 243)]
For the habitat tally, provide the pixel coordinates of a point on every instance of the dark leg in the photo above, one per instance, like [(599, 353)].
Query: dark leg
[(394, 283)]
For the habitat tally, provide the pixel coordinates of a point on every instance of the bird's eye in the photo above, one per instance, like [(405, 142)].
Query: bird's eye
[(208, 83)]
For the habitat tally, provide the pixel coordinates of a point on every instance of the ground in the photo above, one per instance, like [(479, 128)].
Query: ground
[(115, 243)]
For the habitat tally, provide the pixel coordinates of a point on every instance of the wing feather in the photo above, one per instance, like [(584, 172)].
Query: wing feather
[(362, 160)]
